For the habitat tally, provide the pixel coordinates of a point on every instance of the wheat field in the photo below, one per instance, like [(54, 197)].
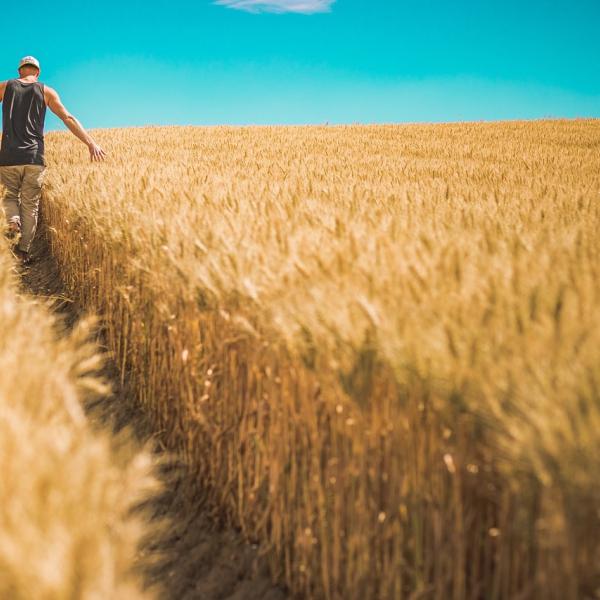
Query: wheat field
[(66, 491), (377, 346)]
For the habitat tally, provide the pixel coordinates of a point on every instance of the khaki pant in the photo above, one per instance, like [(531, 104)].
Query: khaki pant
[(22, 198)]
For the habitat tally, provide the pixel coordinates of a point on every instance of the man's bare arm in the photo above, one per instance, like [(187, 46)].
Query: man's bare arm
[(74, 126), (2, 90)]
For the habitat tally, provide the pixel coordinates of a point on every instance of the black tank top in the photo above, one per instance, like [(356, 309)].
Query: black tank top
[(23, 114)]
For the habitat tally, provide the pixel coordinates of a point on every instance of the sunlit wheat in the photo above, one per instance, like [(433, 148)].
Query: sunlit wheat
[(378, 346)]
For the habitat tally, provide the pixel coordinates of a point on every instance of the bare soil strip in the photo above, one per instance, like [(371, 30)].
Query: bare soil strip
[(197, 558)]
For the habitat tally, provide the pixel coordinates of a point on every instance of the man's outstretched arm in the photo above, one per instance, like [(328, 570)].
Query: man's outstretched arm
[(74, 126), (2, 90)]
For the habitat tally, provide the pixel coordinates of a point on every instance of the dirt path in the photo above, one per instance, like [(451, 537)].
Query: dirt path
[(196, 559)]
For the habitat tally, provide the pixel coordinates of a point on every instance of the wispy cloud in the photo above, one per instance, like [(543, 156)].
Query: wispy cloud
[(307, 7)]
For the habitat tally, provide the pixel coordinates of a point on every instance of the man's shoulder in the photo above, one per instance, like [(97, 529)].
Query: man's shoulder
[(49, 93)]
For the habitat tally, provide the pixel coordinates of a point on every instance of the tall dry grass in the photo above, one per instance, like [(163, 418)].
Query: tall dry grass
[(66, 491), (378, 346)]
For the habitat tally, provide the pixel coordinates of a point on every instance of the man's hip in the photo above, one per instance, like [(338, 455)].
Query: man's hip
[(30, 177)]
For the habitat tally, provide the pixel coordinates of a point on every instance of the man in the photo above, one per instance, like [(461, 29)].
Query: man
[(22, 163)]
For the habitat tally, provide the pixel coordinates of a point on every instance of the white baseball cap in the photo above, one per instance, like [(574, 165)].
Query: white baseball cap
[(29, 60)]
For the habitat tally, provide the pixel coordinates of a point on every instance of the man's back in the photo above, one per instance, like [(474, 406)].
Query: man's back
[(23, 115)]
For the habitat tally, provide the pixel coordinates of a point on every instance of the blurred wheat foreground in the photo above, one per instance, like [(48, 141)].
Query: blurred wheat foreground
[(67, 529), (379, 347)]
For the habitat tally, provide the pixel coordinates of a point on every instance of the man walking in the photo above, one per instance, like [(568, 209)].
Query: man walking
[(22, 163)]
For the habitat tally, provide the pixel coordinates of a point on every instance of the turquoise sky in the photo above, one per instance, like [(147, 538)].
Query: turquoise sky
[(310, 61)]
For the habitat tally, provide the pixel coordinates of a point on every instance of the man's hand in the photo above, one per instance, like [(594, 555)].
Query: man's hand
[(96, 152)]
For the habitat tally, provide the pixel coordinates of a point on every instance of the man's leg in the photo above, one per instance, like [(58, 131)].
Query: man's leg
[(31, 192), (11, 178)]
